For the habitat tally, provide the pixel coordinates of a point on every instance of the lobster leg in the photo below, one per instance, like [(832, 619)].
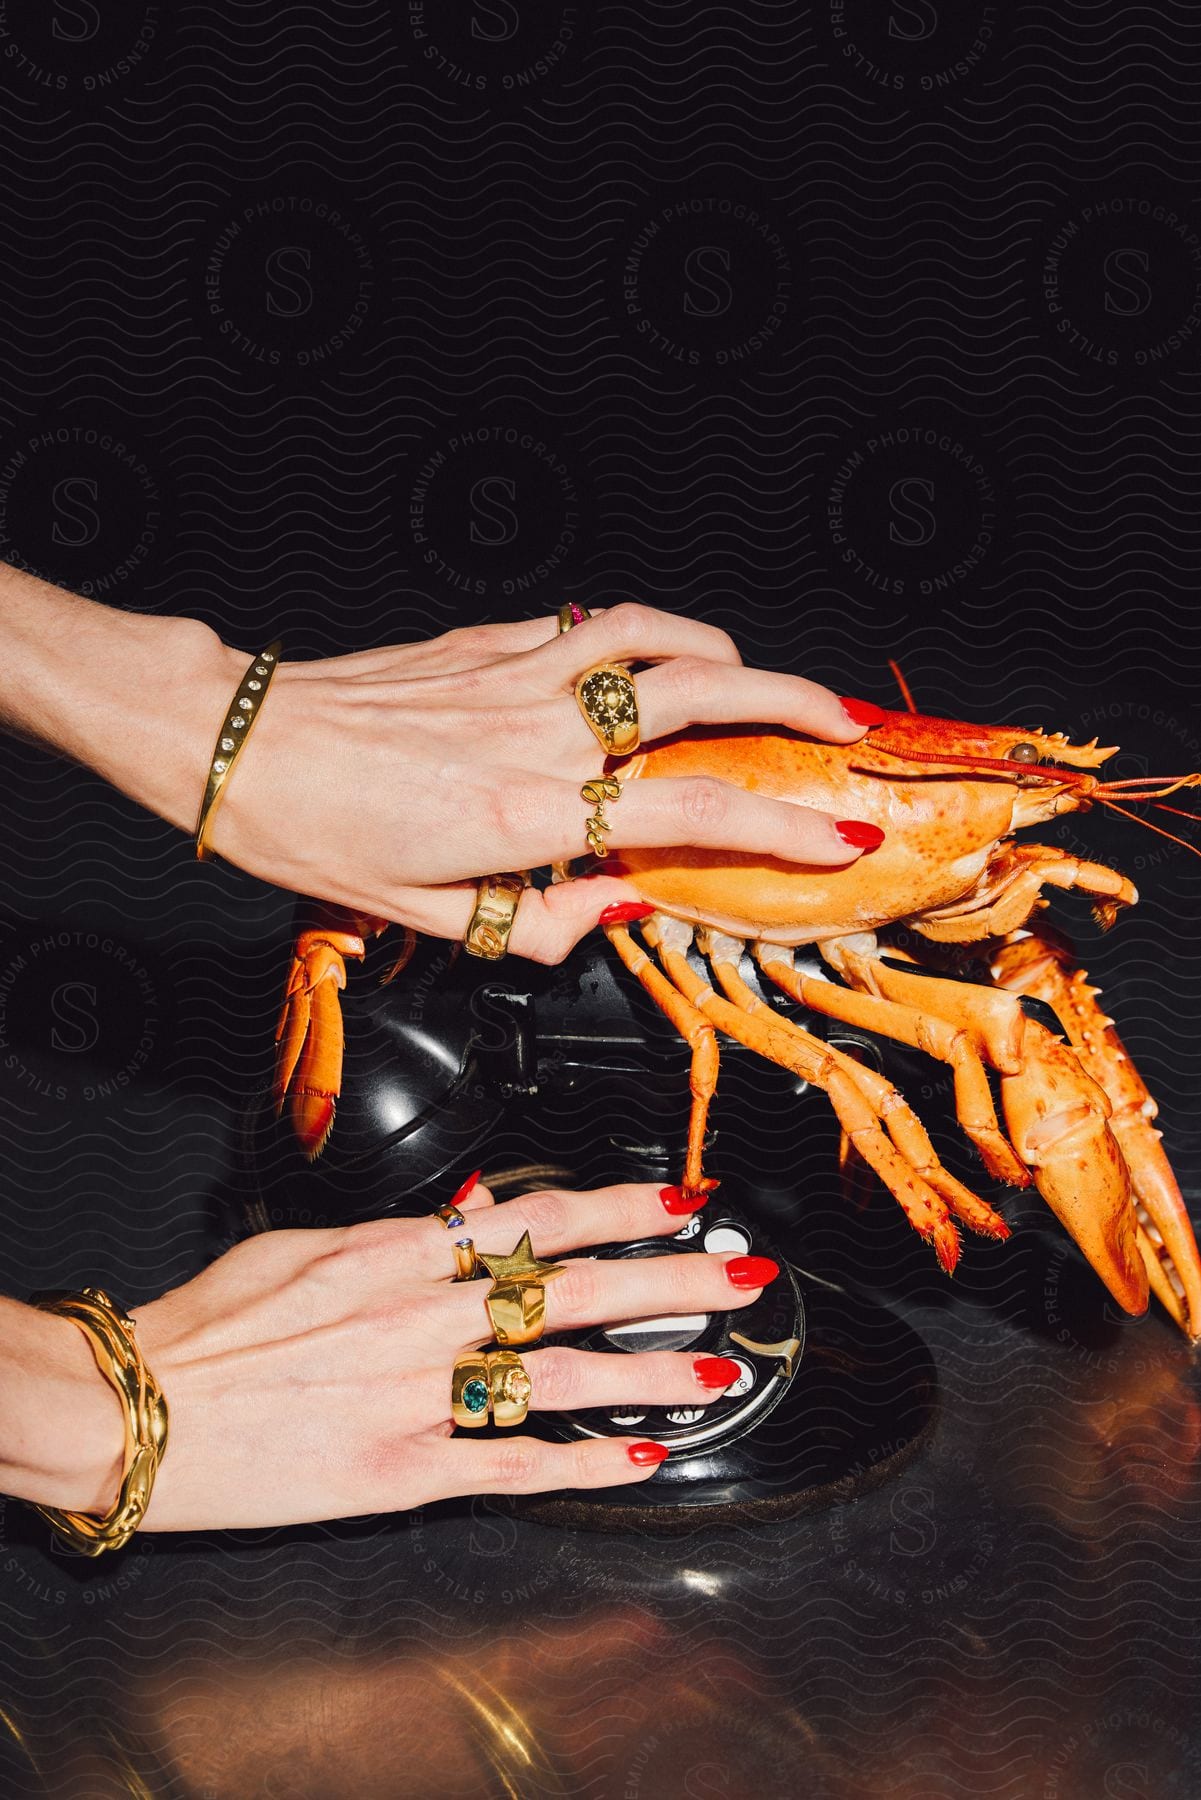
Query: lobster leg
[(1011, 893), (888, 1104), (1042, 963), (309, 1037), (907, 1025), (697, 1033), (786, 1044), (1056, 1114)]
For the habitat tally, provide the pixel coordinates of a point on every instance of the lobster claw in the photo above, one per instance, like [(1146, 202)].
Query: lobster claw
[(1058, 1118), (309, 1036), (1042, 962)]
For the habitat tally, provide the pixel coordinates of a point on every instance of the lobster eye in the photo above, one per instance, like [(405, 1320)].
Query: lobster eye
[(1022, 753)]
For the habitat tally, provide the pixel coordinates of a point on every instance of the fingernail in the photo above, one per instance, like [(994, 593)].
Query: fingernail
[(751, 1271), (647, 1456), (716, 1371), (861, 712), (462, 1193), (859, 833), (625, 910), (677, 1200)]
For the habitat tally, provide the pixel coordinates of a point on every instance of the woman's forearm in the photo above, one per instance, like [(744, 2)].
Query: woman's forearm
[(135, 697), (61, 1433)]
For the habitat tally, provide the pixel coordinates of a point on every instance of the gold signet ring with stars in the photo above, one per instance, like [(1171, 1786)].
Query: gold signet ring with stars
[(608, 699)]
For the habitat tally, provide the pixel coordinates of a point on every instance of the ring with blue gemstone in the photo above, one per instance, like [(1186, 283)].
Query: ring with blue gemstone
[(471, 1391)]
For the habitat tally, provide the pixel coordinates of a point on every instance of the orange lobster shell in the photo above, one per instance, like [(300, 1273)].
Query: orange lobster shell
[(949, 796)]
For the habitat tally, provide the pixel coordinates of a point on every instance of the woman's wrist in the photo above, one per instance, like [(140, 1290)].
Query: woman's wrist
[(62, 1438), (137, 698)]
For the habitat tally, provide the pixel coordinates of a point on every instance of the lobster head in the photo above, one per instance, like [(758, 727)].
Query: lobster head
[(1049, 774)]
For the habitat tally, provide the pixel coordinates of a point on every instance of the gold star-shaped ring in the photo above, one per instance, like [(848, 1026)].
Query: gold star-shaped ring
[(516, 1301), (520, 1264)]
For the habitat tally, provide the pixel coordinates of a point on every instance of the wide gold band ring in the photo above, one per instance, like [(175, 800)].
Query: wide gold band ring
[(608, 699), (511, 1388), (466, 1265), (516, 1301), (492, 1382), (488, 929), (572, 614), (470, 1390)]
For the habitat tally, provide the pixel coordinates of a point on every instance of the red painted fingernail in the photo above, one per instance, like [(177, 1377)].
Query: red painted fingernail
[(861, 712), (624, 911), (716, 1371), (859, 833), (678, 1200), (647, 1456), (462, 1193), (751, 1271)]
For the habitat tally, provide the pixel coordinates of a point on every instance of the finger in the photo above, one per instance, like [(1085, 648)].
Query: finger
[(703, 811), (525, 1465), (476, 1197), (625, 633), (549, 922), (545, 821), (559, 1220), (594, 1290), (562, 1380), (689, 690)]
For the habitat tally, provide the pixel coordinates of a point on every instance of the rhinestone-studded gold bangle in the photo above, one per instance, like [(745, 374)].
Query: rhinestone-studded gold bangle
[(235, 729)]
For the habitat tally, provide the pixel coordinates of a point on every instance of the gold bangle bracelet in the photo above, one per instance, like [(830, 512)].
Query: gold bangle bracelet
[(235, 729), (110, 1332)]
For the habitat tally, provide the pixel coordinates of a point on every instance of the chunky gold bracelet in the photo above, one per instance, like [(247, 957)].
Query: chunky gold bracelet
[(110, 1331), (236, 728)]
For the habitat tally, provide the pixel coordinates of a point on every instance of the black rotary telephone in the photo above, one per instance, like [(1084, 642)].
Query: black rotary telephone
[(570, 1076)]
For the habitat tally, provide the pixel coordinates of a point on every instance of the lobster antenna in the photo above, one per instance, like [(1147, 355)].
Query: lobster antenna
[(1178, 810), (987, 765), (1162, 784), (1158, 829), (906, 696)]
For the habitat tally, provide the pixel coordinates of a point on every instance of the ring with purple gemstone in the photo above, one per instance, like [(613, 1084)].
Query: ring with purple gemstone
[(464, 1247)]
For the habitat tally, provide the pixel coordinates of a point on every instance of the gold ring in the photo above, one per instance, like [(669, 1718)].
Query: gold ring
[(470, 1390), (608, 699), (572, 614), (516, 1301), (466, 1264), (511, 1388), (488, 929), (596, 793)]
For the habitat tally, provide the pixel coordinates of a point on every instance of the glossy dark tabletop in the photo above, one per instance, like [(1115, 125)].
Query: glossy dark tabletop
[(860, 331)]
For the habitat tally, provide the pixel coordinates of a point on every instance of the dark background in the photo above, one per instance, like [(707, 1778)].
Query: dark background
[(862, 330)]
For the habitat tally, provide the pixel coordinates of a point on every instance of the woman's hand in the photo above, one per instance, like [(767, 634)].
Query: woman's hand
[(308, 1373), (389, 781)]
